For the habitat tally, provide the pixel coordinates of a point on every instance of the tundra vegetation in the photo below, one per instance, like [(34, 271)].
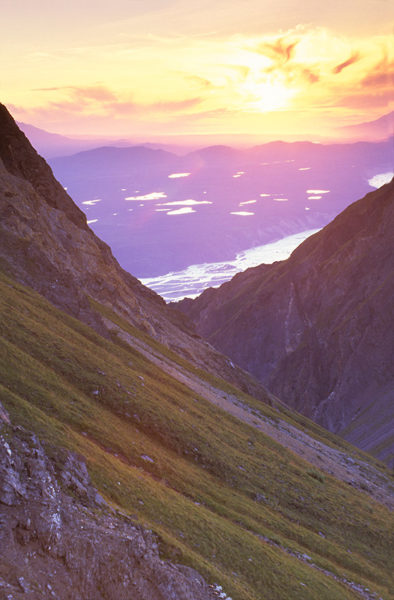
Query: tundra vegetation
[(221, 496)]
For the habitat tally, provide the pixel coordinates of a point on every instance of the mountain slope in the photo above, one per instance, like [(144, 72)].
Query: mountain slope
[(52, 518), (221, 495), (48, 245), (53, 144), (317, 329)]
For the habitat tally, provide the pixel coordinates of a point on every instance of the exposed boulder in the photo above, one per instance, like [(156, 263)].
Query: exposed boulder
[(59, 539)]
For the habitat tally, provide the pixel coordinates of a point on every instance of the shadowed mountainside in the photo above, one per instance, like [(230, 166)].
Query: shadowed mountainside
[(317, 329)]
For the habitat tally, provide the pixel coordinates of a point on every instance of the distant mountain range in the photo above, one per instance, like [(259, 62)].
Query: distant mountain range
[(214, 202), (379, 129), (317, 329), (51, 145)]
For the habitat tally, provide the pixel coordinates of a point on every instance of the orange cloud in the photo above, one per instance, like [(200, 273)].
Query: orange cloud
[(200, 82), (215, 82), (284, 62), (355, 57), (99, 100), (294, 73), (241, 70), (280, 51), (364, 100), (99, 92), (382, 75), (310, 75)]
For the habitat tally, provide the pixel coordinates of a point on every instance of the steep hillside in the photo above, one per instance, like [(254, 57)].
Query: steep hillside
[(47, 244), (218, 487), (317, 329)]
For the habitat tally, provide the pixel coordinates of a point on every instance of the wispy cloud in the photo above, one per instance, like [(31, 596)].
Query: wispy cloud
[(355, 57), (47, 89), (85, 93), (214, 82), (383, 79), (206, 116), (174, 105), (200, 82), (310, 76), (365, 100), (280, 51), (381, 75), (241, 71), (102, 100), (284, 61)]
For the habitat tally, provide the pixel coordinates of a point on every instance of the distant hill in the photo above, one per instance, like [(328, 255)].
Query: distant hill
[(53, 144), (146, 203), (379, 129), (317, 329)]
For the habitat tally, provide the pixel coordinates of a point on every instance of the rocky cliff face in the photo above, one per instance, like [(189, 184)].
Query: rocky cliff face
[(317, 329), (47, 244), (59, 539)]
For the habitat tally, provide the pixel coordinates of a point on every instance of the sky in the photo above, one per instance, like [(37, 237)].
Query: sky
[(157, 68)]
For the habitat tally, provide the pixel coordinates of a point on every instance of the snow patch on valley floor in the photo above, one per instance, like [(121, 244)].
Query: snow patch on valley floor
[(378, 180), (193, 280)]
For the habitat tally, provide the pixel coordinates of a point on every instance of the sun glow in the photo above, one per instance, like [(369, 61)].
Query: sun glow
[(225, 70), (266, 96)]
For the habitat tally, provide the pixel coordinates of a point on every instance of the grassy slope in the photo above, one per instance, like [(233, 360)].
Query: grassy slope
[(280, 409), (108, 402)]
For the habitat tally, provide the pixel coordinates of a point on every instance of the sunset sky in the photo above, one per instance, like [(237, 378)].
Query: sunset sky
[(176, 67)]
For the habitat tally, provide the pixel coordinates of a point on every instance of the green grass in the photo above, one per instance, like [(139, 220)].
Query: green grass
[(215, 484), (278, 409)]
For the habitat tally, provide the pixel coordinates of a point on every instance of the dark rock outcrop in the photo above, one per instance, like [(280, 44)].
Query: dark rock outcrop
[(20, 159), (317, 329), (59, 539)]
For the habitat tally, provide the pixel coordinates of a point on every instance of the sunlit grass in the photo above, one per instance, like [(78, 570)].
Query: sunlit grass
[(212, 488)]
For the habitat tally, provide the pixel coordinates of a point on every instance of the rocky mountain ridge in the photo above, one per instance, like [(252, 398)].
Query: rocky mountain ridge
[(47, 244), (317, 328), (60, 539)]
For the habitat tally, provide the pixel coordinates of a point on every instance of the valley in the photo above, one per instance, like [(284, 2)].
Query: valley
[(136, 461), (193, 280), (161, 212)]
